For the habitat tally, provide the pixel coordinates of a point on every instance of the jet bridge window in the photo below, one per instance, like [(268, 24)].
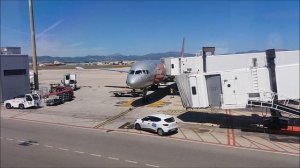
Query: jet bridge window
[(194, 90), (131, 72)]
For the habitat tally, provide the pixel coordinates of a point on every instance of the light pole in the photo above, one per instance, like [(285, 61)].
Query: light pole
[(34, 60)]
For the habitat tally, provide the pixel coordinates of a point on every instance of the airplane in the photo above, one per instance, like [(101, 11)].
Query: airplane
[(145, 74)]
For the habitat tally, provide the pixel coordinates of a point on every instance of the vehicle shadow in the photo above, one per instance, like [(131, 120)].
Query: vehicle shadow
[(155, 96), (155, 133)]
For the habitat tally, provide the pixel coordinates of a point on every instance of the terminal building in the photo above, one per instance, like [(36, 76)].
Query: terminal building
[(14, 73), (234, 76)]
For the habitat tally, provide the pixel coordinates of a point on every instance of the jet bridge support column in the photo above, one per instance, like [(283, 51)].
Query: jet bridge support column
[(204, 55), (276, 121), (272, 75)]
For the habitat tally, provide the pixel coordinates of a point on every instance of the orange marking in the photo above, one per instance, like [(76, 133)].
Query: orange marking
[(232, 132), (228, 134)]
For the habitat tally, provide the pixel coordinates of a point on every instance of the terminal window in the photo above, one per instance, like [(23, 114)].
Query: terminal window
[(14, 72)]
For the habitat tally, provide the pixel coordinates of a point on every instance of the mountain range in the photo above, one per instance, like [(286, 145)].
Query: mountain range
[(120, 57), (113, 57)]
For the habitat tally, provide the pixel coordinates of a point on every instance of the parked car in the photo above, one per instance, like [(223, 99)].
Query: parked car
[(159, 123)]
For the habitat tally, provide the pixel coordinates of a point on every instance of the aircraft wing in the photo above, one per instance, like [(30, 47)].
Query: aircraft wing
[(104, 69), (121, 71)]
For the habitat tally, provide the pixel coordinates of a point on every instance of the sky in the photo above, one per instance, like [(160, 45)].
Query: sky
[(96, 27)]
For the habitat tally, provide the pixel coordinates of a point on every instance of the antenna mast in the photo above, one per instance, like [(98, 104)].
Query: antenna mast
[(34, 60)]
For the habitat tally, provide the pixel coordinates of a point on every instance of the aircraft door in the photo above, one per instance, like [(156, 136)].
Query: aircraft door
[(229, 95)]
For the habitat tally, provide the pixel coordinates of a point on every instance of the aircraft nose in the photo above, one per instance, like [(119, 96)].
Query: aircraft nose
[(131, 82), (134, 82)]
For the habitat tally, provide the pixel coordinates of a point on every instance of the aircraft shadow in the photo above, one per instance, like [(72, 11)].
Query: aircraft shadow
[(153, 97), (242, 122), (225, 121)]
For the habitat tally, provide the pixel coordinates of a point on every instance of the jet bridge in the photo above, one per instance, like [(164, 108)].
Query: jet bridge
[(288, 106)]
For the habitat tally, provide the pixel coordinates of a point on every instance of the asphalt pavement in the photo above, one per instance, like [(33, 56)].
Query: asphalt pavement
[(31, 144)]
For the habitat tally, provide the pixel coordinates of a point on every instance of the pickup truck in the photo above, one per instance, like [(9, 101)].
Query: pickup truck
[(23, 101)]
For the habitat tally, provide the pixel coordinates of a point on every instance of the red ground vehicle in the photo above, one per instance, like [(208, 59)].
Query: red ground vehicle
[(64, 93)]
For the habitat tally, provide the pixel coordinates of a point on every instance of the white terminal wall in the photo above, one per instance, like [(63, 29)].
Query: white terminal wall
[(13, 85), (287, 68), (241, 84)]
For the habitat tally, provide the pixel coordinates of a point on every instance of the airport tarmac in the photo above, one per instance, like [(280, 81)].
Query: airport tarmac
[(95, 107)]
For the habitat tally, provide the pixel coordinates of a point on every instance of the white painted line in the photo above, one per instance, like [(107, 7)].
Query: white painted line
[(113, 158), (95, 155), (79, 152), (35, 144), (151, 165), (20, 141), (64, 149), (48, 146), (9, 139), (130, 161)]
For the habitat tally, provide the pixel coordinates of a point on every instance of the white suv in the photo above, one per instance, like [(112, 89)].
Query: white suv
[(159, 123)]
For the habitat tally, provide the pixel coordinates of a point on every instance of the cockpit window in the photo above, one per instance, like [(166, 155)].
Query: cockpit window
[(138, 72), (145, 71), (131, 72)]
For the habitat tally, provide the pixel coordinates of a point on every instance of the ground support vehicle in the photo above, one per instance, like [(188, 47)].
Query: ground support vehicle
[(127, 93), (53, 101), (69, 80), (23, 101), (159, 123), (64, 93)]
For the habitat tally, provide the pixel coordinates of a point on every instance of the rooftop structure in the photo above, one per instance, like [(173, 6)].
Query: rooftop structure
[(10, 50)]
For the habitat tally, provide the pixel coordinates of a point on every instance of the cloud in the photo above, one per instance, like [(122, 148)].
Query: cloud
[(49, 28), (49, 45)]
